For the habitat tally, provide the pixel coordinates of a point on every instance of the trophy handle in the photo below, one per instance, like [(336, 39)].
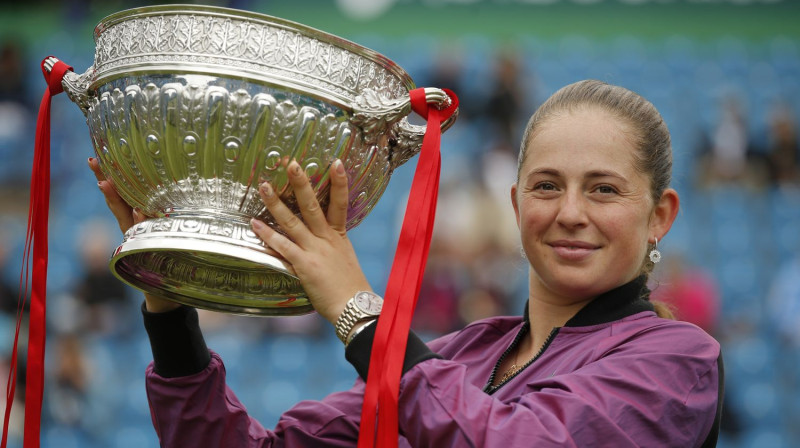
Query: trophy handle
[(375, 115), (76, 86)]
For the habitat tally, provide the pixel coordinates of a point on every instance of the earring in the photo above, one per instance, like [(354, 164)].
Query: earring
[(655, 255)]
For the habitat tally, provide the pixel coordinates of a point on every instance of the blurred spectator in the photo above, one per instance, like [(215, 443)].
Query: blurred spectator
[(447, 74), (784, 303), (504, 106), (102, 294), (9, 298), (478, 304), (68, 392), (15, 115), (727, 154), (474, 262), (784, 149), (730, 142), (690, 291), (15, 426), (12, 74), (498, 172), (437, 308), (500, 272), (784, 320)]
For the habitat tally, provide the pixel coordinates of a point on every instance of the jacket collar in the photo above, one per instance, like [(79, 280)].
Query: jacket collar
[(620, 302)]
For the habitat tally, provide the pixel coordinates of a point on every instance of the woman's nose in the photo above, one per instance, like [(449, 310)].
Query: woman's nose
[(572, 210)]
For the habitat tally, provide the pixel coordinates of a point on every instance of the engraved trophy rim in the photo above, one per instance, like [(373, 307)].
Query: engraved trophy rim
[(198, 64), (172, 250)]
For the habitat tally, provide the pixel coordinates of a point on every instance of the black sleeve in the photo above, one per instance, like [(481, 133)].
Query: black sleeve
[(359, 351), (713, 435), (176, 341)]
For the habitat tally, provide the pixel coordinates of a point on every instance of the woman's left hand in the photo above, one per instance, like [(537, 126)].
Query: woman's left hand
[(317, 246)]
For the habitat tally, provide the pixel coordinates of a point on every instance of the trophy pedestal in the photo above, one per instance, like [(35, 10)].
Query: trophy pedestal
[(211, 262)]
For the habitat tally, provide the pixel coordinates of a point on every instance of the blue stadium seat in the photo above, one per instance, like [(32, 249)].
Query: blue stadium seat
[(133, 436), (57, 436), (276, 397), (764, 437)]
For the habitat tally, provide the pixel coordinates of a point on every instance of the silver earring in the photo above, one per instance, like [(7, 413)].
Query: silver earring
[(655, 255)]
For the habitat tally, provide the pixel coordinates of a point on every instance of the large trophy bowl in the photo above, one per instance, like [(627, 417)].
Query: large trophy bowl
[(190, 108)]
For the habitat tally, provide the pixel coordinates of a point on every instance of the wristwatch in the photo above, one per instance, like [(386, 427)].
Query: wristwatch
[(364, 305)]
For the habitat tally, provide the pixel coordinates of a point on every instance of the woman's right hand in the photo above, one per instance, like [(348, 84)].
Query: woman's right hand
[(126, 217)]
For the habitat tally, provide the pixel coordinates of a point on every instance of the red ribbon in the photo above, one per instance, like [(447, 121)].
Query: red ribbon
[(36, 238), (402, 290)]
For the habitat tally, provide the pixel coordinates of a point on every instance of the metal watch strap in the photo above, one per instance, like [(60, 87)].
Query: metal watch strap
[(350, 316), (346, 321)]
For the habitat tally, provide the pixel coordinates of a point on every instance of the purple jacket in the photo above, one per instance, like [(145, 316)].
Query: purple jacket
[(615, 375)]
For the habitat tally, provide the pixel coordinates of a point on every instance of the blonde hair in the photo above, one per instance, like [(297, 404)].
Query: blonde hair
[(650, 135)]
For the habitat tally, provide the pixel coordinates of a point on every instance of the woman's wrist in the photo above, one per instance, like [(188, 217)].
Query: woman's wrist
[(176, 340), (358, 328), (155, 304)]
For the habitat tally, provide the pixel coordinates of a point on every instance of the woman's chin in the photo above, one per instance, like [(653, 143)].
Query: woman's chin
[(575, 284)]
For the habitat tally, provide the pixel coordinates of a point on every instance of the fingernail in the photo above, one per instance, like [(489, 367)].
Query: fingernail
[(338, 166), (294, 167), (100, 185), (258, 225), (266, 189), (89, 161)]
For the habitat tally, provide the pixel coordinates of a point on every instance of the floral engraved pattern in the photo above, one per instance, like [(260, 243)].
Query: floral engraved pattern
[(262, 49)]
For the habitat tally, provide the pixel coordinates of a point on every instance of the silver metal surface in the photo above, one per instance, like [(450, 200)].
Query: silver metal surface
[(190, 108)]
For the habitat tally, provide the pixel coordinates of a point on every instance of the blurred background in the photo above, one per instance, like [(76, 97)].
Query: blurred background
[(725, 74)]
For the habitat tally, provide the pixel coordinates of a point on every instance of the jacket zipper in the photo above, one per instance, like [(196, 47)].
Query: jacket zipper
[(490, 388)]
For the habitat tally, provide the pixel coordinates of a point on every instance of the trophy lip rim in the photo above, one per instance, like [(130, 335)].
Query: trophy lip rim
[(219, 11), (288, 84)]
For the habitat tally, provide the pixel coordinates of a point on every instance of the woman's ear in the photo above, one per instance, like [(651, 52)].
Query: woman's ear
[(514, 201), (664, 213)]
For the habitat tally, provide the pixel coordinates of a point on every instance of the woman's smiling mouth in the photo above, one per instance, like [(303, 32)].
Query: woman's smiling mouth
[(573, 250)]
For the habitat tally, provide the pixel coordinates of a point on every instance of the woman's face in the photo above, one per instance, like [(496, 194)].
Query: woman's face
[(584, 212)]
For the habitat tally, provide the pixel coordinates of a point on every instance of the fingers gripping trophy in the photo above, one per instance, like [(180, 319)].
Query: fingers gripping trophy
[(201, 117)]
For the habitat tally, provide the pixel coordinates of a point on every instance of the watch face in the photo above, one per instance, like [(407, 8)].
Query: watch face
[(369, 303)]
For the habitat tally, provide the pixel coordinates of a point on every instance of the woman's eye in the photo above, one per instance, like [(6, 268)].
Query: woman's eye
[(606, 189), (544, 186)]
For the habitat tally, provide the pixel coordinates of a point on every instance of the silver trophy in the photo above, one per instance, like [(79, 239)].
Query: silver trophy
[(191, 107)]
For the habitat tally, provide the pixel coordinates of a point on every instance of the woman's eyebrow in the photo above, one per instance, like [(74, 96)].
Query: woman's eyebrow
[(605, 173), (590, 174), (547, 171)]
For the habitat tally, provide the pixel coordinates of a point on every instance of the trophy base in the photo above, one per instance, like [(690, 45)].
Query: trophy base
[(209, 263)]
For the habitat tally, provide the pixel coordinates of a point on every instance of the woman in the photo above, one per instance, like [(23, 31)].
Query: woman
[(590, 363)]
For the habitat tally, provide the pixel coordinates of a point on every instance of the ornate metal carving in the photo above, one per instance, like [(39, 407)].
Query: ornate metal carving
[(76, 86), (376, 114), (190, 108), (265, 48)]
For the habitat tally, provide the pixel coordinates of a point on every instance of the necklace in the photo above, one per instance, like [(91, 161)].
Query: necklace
[(511, 371), (491, 386)]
